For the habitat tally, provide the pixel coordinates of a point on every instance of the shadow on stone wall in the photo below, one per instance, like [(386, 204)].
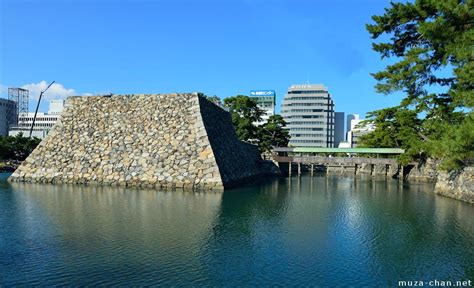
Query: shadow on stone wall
[(238, 161)]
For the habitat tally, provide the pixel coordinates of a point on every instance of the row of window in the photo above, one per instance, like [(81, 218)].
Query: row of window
[(10, 105), (307, 92), (307, 141), (305, 104), (305, 116), (306, 122), (306, 129), (37, 125), (302, 110), (307, 135), (306, 98), (26, 119)]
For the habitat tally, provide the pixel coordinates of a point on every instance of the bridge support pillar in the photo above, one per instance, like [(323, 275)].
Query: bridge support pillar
[(299, 169)]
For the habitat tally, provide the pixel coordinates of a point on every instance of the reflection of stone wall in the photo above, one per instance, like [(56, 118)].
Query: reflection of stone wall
[(174, 140)]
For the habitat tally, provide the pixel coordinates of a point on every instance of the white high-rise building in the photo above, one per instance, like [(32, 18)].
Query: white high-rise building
[(309, 113)]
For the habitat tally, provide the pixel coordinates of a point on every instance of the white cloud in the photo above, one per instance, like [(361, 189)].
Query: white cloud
[(56, 91)]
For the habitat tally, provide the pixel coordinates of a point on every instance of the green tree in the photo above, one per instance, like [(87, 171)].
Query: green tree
[(214, 99), (17, 147), (245, 113), (432, 42), (273, 134), (396, 127)]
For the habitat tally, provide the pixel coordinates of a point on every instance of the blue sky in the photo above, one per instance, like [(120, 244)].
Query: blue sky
[(219, 48)]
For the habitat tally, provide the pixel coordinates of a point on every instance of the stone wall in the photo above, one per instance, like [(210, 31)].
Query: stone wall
[(164, 140), (455, 184), (426, 171), (237, 161), (458, 184)]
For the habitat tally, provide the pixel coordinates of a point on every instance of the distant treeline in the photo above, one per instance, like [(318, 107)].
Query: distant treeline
[(17, 147)]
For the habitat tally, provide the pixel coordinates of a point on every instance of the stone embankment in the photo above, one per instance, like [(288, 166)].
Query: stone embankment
[(455, 184), (161, 140)]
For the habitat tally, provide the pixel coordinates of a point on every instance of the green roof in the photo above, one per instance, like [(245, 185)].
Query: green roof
[(340, 150)]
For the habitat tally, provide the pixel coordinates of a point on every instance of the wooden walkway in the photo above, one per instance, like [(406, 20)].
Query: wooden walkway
[(346, 161)]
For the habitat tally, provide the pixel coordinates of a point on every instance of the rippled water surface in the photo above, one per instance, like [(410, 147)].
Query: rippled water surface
[(317, 231)]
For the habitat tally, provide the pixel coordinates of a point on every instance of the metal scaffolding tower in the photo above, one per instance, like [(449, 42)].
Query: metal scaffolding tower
[(20, 97)]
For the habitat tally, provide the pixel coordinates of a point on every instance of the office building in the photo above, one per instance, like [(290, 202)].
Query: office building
[(8, 115), (44, 121), (339, 132), (350, 117), (309, 113), (358, 129), (266, 100)]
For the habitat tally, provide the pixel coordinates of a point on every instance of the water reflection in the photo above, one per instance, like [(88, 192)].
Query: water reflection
[(300, 231), (89, 232)]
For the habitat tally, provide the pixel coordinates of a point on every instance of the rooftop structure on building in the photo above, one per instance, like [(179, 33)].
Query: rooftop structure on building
[(309, 113), (21, 97)]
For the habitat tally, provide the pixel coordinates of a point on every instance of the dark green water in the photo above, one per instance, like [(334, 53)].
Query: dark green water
[(320, 231)]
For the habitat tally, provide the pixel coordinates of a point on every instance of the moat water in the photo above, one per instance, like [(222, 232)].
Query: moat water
[(308, 231)]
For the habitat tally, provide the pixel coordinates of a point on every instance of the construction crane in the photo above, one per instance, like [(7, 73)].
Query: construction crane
[(37, 106)]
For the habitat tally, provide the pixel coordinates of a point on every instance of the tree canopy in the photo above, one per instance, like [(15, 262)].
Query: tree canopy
[(17, 147), (214, 99), (245, 113), (432, 43), (273, 134)]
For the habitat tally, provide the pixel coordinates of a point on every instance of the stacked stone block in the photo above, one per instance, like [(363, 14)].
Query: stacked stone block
[(159, 140)]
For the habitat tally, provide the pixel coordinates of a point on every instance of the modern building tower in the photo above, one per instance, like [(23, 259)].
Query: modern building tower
[(309, 113), (350, 117), (338, 128), (266, 100)]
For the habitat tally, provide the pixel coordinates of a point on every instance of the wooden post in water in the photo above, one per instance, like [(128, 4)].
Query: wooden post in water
[(355, 169), (400, 174), (312, 168), (299, 168), (289, 168)]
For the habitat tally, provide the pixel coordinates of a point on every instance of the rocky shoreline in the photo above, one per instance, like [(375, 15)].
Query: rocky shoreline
[(457, 184)]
